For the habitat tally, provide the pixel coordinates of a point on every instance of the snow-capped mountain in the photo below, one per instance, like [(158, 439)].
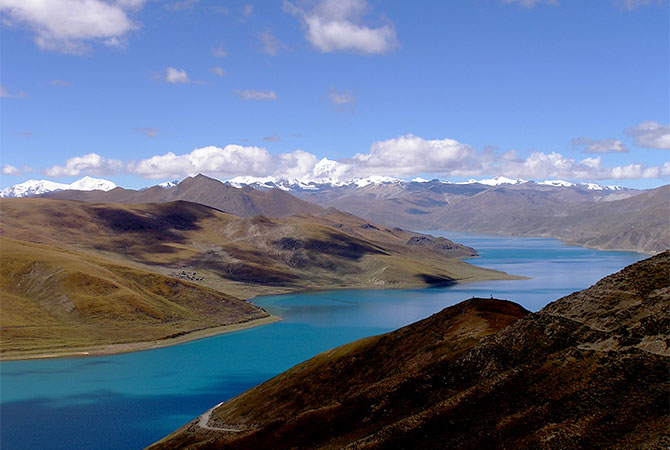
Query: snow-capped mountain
[(318, 184), (38, 187), (169, 184), (496, 181)]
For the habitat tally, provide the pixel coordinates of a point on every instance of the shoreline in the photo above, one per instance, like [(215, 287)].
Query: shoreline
[(116, 349)]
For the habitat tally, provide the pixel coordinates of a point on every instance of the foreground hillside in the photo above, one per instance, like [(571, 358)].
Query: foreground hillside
[(79, 274), (587, 371)]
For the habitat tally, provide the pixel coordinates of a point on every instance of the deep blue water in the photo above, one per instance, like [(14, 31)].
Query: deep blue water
[(131, 400)]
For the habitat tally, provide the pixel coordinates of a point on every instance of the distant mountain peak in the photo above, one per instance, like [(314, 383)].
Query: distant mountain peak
[(38, 187)]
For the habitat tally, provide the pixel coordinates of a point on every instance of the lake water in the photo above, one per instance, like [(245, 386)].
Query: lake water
[(129, 401)]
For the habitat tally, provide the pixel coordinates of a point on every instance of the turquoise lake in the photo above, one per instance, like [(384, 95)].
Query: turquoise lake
[(129, 401)]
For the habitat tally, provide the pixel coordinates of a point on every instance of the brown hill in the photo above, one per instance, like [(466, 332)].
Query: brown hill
[(611, 220), (57, 300), (588, 371), (242, 202), (197, 249)]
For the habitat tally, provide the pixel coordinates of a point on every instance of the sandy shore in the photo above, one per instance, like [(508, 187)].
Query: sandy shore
[(113, 349)]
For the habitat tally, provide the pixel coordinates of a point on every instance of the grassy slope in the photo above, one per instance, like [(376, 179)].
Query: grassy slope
[(79, 274), (55, 300)]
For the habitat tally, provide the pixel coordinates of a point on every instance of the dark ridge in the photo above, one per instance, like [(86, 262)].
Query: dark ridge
[(417, 211), (436, 281)]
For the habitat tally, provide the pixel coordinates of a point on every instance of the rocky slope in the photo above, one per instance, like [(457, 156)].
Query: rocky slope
[(588, 371)]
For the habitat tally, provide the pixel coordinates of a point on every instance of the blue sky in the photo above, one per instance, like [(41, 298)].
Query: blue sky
[(139, 91)]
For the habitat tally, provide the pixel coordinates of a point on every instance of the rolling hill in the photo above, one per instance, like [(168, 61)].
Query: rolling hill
[(587, 371), (173, 267)]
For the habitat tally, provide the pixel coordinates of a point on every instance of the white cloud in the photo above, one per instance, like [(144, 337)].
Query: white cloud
[(339, 98), (248, 94), (336, 25), (70, 25), (588, 145), (176, 76), (404, 156), (271, 45), (4, 93), (219, 52), (651, 135), (232, 160), (218, 71), (411, 155), (11, 170), (91, 164)]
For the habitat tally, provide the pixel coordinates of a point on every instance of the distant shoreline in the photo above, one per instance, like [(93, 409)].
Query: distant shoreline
[(115, 349)]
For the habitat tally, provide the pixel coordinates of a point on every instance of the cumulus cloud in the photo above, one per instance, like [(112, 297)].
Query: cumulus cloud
[(247, 94), (403, 156), (11, 170), (230, 161), (409, 155), (651, 135), (336, 25), (69, 26), (91, 164), (588, 145), (270, 44), (176, 76)]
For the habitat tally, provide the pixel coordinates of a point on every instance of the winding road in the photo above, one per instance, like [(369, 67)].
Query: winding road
[(203, 422)]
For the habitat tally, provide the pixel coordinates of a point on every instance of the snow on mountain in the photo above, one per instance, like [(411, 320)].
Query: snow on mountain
[(419, 180), (598, 187), (496, 181), (362, 182), (92, 184), (558, 183), (169, 184), (326, 182), (32, 187), (38, 187)]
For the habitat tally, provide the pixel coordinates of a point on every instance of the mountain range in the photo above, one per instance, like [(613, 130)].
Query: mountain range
[(87, 275), (589, 370), (603, 217)]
